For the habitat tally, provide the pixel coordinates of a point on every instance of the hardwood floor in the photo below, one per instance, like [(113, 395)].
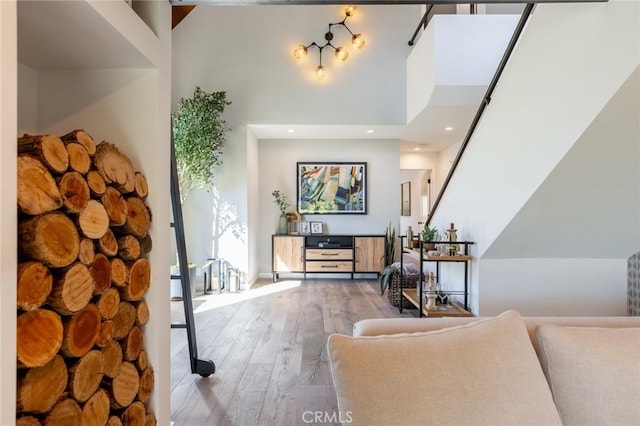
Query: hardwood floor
[(268, 344)]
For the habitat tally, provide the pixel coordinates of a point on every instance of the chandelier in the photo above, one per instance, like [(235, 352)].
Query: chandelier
[(340, 52)]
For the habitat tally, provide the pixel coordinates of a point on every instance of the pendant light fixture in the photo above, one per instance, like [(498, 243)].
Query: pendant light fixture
[(340, 53)]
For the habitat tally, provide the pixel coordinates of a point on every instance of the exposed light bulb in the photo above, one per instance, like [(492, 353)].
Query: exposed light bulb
[(341, 53), (358, 41), (300, 52), (320, 72), (350, 10)]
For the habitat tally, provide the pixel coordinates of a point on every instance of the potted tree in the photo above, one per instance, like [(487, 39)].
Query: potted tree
[(199, 138)]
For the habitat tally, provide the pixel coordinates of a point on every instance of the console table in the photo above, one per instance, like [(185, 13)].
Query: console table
[(411, 295), (322, 254)]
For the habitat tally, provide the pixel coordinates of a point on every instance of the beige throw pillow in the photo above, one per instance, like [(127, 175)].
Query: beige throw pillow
[(483, 373), (594, 373)]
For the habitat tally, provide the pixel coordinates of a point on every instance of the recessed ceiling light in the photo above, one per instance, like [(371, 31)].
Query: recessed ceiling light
[(370, 131), (448, 129), (417, 148), (291, 131)]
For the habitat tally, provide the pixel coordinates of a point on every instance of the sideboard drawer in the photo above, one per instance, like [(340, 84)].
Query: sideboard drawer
[(329, 254), (330, 266)]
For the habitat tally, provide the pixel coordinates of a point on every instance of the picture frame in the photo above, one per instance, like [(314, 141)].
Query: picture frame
[(305, 227), (331, 188), (405, 199), (316, 228)]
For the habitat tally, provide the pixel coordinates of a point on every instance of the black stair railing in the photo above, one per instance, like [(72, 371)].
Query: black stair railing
[(485, 101)]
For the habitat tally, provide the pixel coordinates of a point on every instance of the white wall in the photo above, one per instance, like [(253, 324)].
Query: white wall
[(8, 213), (569, 63), (454, 60), (277, 170), (565, 287), (230, 48)]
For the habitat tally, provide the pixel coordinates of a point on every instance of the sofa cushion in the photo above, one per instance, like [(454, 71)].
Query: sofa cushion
[(594, 373), (482, 373)]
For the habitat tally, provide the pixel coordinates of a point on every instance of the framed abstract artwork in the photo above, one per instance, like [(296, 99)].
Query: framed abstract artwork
[(332, 188)]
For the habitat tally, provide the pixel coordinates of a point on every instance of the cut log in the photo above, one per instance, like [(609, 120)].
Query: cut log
[(134, 415), (124, 386), (124, 320), (142, 362), (51, 238), (115, 167), (37, 190), (97, 186), (105, 336), (34, 285), (40, 388), (108, 244), (141, 188), (74, 191), (66, 412), (38, 337), (128, 247), (100, 270), (85, 375), (87, 251), (48, 148), (150, 419), (108, 303), (93, 221), (114, 421), (81, 332), (119, 272), (96, 410), (146, 385), (115, 205), (79, 159), (112, 359), (132, 344), (138, 218), (83, 138), (28, 421), (139, 281), (72, 289), (142, 313), (145, 245)]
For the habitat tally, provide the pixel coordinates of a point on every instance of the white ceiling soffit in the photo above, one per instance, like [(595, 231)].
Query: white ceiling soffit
[(447, 76)]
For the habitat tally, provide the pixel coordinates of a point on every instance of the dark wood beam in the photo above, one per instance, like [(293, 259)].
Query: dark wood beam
[(179, 12), (365, 2)]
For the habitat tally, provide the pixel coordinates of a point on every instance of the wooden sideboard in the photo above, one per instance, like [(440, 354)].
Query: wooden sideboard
[(321, 254)]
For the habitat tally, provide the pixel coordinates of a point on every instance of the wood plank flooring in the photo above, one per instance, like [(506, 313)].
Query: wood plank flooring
[(269, 347)]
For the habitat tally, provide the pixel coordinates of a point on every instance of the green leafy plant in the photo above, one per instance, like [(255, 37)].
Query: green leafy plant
[(391, 245), (429, 234), (199, 137), (281, 200)]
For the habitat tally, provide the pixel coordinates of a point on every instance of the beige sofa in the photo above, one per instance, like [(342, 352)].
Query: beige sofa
[(503, 370)]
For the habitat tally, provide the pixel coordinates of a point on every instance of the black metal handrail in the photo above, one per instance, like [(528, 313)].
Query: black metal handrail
[(485, 101), (423, 23)]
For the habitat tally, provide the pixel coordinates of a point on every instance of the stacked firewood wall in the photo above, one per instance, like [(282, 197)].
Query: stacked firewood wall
[(83, 273)]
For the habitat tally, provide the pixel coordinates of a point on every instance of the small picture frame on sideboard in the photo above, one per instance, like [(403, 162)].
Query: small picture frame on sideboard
[(316, 228), (305, 227)]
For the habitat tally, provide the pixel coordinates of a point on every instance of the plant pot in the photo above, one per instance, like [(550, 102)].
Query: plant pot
[(176, 284), (283, 226)]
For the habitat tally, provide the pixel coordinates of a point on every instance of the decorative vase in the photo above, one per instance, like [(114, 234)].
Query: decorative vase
[(409, 237), (282, 225), (452, 236)]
